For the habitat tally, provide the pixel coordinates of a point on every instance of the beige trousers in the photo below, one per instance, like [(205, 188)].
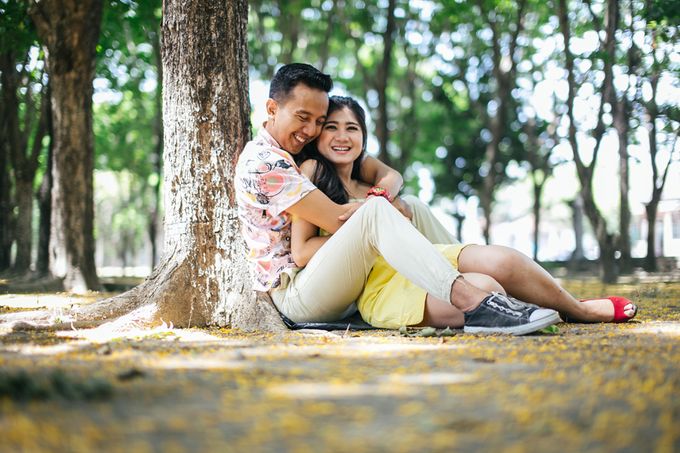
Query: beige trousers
[(427, 223), (325, 290)]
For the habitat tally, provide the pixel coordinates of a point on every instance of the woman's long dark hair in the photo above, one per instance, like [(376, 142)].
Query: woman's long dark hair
[(325, 176)]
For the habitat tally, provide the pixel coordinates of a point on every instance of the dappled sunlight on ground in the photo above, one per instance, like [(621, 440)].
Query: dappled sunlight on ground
[(588, 387)]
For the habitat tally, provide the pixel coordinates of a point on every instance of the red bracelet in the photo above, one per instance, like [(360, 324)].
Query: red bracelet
[(379, 192)]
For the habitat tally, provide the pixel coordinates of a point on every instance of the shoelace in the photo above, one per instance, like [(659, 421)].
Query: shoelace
[(509, 302)]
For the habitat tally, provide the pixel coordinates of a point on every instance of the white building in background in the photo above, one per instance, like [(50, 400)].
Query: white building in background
[(667, 230)]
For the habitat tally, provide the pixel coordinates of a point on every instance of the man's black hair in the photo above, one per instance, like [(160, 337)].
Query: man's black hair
[(290, 75)]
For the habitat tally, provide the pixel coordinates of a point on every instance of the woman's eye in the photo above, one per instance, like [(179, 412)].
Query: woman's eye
[(329, 127)]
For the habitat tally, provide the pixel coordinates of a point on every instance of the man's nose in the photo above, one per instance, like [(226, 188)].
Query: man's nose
[(312, 129)]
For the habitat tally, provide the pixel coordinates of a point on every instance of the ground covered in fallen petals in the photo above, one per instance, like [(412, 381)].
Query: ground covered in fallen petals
[(596, 388)]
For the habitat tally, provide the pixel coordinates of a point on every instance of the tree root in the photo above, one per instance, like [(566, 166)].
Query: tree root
[(167, 296)]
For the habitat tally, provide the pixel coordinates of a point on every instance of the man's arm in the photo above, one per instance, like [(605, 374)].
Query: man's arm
[(319, 210)]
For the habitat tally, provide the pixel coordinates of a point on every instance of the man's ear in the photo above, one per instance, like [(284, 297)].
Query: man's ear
[(272, 107)]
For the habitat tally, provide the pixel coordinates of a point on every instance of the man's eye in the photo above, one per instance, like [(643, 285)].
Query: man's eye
[(302, 118)]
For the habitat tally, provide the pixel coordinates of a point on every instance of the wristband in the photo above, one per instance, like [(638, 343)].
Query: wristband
[(379, 192)]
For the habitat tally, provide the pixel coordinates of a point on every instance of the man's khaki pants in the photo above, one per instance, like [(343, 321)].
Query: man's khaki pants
[(327, 287)]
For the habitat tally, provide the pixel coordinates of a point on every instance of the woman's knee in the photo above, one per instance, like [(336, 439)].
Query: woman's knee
[(484, 282)]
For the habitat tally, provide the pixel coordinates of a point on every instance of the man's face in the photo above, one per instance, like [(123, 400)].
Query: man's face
[(298, 119)]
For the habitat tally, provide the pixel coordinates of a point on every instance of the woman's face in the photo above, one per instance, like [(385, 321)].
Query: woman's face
[(341, 138)]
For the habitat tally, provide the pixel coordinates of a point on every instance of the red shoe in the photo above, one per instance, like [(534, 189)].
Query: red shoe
[(619, 304)]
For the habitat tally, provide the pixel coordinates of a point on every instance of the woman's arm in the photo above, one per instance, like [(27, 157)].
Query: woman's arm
[(304, 241), (377, 173)]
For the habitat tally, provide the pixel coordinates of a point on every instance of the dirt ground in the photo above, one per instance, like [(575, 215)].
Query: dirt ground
[(587, 387)]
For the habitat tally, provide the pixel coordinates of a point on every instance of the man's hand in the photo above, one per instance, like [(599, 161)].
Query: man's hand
[(350, 209), (403, 208)]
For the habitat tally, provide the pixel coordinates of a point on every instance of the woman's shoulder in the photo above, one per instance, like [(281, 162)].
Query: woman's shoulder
[(308, 167)]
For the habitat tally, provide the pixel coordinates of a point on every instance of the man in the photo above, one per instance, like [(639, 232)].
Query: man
[(270, 190)]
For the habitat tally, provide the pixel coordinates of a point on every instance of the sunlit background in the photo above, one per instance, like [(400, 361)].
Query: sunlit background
[(436, 78)]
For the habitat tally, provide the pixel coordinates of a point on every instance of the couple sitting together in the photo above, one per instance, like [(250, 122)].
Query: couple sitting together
[(327, 234)]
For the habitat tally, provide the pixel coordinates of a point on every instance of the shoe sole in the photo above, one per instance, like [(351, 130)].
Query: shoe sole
[(523, 329)]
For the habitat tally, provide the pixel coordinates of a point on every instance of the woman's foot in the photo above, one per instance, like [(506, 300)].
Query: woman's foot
[(624, 309), (607, 309)]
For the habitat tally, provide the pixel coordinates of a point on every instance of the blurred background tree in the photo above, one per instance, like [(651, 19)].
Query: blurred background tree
[(480, 104)]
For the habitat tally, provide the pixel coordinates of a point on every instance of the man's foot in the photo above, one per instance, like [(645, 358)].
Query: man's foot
[(498, 314)]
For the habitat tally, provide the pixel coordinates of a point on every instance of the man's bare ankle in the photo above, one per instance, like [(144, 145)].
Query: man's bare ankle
[(465, 296)]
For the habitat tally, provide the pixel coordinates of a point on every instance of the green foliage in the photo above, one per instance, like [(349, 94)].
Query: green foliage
[(17, 32), (127, 123)]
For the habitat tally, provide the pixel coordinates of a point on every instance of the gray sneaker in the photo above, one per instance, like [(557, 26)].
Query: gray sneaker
[(499, 314)]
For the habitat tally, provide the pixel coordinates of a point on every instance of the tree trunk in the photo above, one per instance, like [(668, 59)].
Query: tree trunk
[(621, 124), (538, 190), (203, 276), (45, 208), (381, 123), (157, 155), (69, 31), (650, 260), (605, 240), (6, 68), (577, 220), (24, 233), (485, 201), (505, 82), (25, 163)]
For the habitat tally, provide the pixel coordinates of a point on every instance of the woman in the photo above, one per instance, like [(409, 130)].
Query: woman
[(389, 300)]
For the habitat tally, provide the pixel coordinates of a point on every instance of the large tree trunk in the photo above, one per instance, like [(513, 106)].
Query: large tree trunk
[(69, 30), (7, 68), (203, 276)]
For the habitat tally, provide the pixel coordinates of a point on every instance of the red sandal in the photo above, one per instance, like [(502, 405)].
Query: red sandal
[(619, 304)]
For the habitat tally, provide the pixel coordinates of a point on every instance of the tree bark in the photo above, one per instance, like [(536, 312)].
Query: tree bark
[(381, 123), (7, 69), (577, 222), (659, 176), (505, 83), (621, 124), (45, 207), (606, 241), (203, 277), (157, 155), (69, 30)]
